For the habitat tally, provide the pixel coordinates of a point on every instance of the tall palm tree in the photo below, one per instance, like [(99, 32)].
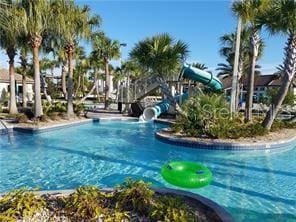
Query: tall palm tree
[(4, 11), (228, 52), (38, 20), (106, 49), (281, 18), (9, 33), (72, 23), (249, 11)]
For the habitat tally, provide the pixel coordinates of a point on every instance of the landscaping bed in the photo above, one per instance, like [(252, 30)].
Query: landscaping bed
[(131, 201)]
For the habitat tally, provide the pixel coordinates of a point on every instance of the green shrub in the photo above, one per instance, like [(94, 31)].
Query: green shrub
[(132, 201), (282, 124), (135, 196), (272, 95), (167, 208), (79, 108), (19, 117), (86, 203), (53, 115), (57, 107), (20, 204), (209, 116)]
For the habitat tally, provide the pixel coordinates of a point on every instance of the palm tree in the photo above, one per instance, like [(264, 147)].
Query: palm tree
[(161, 55), (106, 49), (4, 12), (9, 33), (38, 20), (281, 18), (244, 64), (249, 11), (201, 66), (72, 23)]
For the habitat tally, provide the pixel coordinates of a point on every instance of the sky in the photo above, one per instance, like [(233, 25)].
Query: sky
[(198, 23)]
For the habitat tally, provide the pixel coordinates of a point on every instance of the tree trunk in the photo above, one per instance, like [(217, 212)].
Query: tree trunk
[(24, 83), (70, 109), (238, 89), (107, 84), (254, 43), (64, 85), (78, 86), (83, 86), (289, 73), (35, 43), (23, 58), (12, 100), (233, 101)]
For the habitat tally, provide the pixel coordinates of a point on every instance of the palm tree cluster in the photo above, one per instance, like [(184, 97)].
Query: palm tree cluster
[(53, 29), (277, 16)]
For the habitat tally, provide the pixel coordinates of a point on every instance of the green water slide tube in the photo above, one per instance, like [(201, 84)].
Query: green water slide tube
[(188, 72), (204, 77)]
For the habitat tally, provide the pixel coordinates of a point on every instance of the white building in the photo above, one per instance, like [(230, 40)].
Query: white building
[(4, 84)]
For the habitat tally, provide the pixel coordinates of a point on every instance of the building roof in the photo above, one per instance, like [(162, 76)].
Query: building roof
[(4, 77), (260, 81)]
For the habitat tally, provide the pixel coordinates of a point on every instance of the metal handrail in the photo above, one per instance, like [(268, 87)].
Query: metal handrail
[(2, 123)]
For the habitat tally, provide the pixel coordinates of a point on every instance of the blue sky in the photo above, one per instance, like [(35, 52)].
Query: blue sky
[(198, 23)]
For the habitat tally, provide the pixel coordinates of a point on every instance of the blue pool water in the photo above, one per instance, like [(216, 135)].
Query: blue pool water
[(252, 186)]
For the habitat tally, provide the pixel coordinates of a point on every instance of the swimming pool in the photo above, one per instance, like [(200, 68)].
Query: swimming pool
[(252, 186)]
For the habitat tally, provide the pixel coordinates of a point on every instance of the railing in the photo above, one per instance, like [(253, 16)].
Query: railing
[(4, 125), (138, 90)]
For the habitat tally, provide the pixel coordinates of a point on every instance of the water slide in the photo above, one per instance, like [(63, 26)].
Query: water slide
[(187, 72)]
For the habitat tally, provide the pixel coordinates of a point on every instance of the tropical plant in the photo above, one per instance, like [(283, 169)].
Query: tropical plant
[(289, 99), (135, 196), (72, 23), (228, 52), (163, 56), (20, 204), (87, 203), (160, 54), (38, 21), (9, 33), (169, 208), (249, 11), (105, 49), (201, 66), (281, 18), (209, 116)]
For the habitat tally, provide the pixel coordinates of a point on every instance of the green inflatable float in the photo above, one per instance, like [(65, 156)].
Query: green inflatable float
[(186, 174)]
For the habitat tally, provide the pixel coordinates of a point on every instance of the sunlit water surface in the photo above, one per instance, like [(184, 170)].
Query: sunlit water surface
[(252, 186)]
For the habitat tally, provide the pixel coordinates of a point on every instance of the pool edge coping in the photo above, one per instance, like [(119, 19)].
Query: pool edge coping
[(219, 145), (15, 128)]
